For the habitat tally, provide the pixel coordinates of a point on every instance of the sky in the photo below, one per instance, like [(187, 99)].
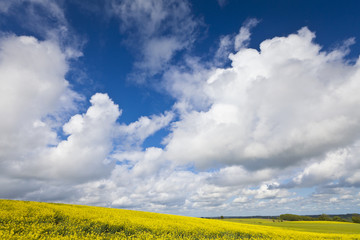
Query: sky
[(196, 108)]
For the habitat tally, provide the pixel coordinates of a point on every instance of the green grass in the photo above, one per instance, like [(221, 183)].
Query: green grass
[(306, 226)]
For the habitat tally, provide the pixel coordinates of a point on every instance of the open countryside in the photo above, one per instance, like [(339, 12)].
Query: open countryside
[(179, 119), (306, 226), (34, 220)]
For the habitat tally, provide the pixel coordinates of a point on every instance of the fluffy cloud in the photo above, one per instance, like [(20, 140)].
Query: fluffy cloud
[(333, 167), (272, 108), (338, 168), (134, 134), (266, 191), (31, 91), (84, 155), (36, 164), (234, 42), (34, 92), (144, 180), (186, 84), (40, 83), (238, 176)]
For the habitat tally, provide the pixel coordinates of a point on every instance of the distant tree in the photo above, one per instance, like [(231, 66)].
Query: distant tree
[(293, 217), (307, 218), (324, 217), (222, 217), (290, 217), (338, 219), (355, 218)]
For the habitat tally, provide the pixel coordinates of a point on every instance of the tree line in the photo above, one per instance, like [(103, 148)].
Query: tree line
[(323, 217)]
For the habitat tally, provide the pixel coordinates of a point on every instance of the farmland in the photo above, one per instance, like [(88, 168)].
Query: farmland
[(305, 226), (33, 220)]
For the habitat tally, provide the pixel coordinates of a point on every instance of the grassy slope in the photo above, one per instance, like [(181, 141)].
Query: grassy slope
[(306, 226), (32, 220)]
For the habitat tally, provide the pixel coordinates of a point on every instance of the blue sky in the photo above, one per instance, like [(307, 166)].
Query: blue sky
[(197, 108)]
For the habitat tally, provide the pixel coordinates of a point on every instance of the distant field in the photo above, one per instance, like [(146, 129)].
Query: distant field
[(33, 220), (306, 226)]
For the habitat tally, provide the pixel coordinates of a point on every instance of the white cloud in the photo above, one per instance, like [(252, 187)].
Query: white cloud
[(84, 154), (32, 88), (210, 196), (43, 19), (36, 98), (242, 39), (231, 42), (224, 49), (134, 134), (157, 31), (159, 51), (336, 168), (331, 168), (146, 181), (272, 108), (38, 83), (240, 200), (354, 179), (33, 91), (238, 176), (186, 84), (267, 191)]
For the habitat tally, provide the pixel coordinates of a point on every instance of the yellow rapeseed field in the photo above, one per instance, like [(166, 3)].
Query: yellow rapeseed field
[(33, 220)]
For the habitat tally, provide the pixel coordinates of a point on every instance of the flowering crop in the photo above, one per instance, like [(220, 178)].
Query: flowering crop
[(33, 220)]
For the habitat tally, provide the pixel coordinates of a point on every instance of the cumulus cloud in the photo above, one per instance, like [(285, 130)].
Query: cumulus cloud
[(84, 154), (35, 163), (331, 168), (186, 85), (272, 108), (34, 91), (145, 180), (336, 169), (31, 91)]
